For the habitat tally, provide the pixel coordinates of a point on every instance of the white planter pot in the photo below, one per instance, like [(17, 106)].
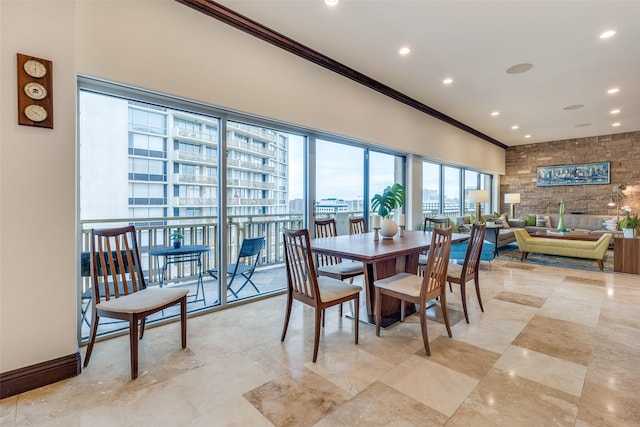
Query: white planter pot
[(629, 233), (388, 228)]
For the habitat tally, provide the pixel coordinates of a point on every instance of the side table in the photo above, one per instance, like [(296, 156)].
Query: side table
[(626, 255), (185, 253)]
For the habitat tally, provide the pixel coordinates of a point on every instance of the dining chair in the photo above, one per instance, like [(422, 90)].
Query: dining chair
[(120, 291), (461, 274), (357, 226), (245, 265), (304, 285), (420, 289), (429, 225)]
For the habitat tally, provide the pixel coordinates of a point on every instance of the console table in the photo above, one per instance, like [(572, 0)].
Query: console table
[(185, 253), (626, 255)]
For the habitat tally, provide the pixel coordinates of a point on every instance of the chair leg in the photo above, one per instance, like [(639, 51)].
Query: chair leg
[(423, 326), (316, 339), (143, 322), (356, 318), (287, 315), (92, 337), (133, 343), (183, 321), (377, 310), (463, 295), (445, 315), (477, 282), (323, 318)]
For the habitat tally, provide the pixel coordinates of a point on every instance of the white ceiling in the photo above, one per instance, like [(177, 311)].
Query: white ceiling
[(474, 42)]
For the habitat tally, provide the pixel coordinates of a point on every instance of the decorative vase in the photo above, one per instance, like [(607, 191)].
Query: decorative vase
[(177, 244), (388, 228), (561, 226), (629, 233)]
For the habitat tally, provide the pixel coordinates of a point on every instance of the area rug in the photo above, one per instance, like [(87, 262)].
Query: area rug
[(511, 252)]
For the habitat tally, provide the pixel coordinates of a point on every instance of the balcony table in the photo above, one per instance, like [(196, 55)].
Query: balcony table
[(381, 259), (185, 253)]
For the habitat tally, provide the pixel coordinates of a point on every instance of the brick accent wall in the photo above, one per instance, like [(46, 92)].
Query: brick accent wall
[(621, 150)]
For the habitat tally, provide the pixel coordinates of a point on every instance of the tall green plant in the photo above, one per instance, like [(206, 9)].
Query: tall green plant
[(392, 197)]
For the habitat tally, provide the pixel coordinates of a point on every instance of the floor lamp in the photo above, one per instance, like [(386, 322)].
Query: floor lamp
[(512, 199), (478, 197)]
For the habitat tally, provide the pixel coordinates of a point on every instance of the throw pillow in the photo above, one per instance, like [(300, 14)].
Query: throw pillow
[(540, 221), (530, 220), (610, 224), (472, 219), (547, 219), (504, 220)]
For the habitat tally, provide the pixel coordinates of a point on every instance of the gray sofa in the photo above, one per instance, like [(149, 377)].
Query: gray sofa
[(591, 223)]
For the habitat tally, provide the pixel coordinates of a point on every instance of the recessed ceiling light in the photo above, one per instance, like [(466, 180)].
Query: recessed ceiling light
[(527, 136), (519, 68), (515, 127), (404, 50), (495, 113), (613, 90), (616, 111), (607, 34), (582, 125), (573, 107), (331, 2), (616, 124), (447, 81)]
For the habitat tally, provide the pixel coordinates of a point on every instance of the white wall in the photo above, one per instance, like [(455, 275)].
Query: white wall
[(37, 192), (167, 47)]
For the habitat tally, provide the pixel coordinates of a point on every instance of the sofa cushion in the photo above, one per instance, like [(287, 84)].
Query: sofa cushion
[(610, 224), (530, 220), (543, 221)]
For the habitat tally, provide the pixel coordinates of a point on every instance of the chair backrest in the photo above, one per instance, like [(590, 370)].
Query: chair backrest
[(115, 263), (474, 250), (301, 274), (357, 226), (326, 228), (435, 275), (433, 223), (251, 246)]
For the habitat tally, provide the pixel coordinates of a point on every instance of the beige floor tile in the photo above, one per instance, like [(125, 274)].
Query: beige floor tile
[(520, 298), (541, 368), (436, 386), (572, 309), (599, 406), (461, 357)]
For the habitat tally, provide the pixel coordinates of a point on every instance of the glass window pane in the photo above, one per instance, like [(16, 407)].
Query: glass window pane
[(451, 192), (430, 189)]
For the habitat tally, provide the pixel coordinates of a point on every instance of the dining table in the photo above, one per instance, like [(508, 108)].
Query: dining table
[(381, 258)]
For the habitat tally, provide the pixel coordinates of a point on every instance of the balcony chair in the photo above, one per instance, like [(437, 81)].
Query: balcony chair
[(120, 291), (420, 289), (357, 226), (429, 225), (320, 292), (461, 274), (250, 254)]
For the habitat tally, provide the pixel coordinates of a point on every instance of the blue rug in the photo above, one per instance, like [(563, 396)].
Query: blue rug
[(511, 252)]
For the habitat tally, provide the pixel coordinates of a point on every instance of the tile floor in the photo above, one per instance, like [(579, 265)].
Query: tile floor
[(553, 347)]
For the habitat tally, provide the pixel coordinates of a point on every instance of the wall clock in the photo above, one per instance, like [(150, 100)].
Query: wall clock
[(35, 91)]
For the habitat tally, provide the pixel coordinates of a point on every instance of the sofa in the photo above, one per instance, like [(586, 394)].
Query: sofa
[(498, 238), (595, 250)]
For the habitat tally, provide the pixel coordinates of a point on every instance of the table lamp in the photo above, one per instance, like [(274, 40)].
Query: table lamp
[(512, 199), (478, 197)]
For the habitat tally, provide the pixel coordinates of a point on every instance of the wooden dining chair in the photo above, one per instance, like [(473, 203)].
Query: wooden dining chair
[(357, 226), (461, 274), (332, 266), (120, 291), (420, 289), (429, 225), (320, 292)]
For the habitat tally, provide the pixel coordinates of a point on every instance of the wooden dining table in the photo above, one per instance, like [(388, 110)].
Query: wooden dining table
[(382, 258)]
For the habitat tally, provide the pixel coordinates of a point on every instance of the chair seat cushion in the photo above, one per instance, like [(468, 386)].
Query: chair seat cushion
[(143, 300), (333, 289), (454, 271), (345, 267), (405, 283), (422, 259)]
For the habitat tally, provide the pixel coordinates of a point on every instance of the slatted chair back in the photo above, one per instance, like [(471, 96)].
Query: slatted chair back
[(472, 258), (433, 223), (301, 274), (326, 228), (357, 226), (115, 264), (435, 277)]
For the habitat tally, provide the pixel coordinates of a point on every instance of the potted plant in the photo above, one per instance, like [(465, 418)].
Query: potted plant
[(629, 223), (392, 197), (177, 239)]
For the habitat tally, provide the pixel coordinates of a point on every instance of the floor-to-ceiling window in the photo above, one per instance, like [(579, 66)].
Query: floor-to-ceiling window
[(431, 189)]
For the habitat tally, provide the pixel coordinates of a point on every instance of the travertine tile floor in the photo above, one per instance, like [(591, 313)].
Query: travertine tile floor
[(553, 347)]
